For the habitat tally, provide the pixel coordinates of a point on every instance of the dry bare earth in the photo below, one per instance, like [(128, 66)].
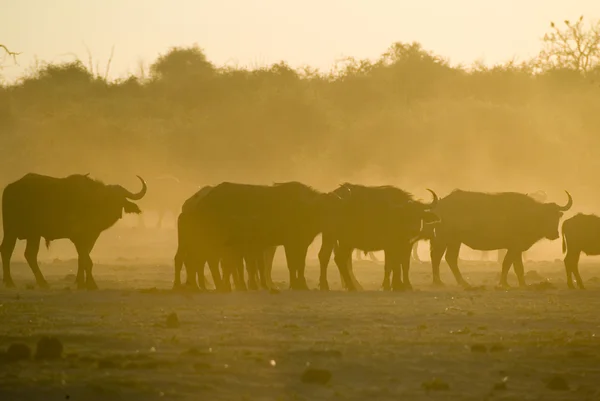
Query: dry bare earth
[(485, 344)]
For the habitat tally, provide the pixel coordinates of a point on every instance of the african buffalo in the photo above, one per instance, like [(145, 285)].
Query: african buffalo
[(235, 221), (489, 221), (580, 233), (374, 218), (75, 207)]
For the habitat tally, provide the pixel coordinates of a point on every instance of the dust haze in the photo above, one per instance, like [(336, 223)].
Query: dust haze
[(409, 118)]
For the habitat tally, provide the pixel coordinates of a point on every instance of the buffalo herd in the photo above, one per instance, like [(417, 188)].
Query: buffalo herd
[(236, 228)]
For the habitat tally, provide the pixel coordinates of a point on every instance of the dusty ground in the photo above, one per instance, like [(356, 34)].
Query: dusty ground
[(446, 344)]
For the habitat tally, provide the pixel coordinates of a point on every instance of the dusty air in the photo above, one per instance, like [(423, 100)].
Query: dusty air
[(382, 208)]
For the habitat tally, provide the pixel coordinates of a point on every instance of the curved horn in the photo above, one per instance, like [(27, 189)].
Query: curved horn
[(345, 187), (568, 205), (334, 194), (435, 200), (139, 195)]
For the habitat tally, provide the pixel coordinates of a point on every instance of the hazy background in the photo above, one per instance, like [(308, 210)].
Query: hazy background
[(437, 94)]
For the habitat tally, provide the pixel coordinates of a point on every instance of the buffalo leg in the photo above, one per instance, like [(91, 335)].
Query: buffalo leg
[(178, 262), (506, 264), (269, 256), (251, 267), (296, 260), (197, 276), (228, 272), (396, 265), (213, 265), (572, 268), (519, 268), (238, 267), (31, 254), (438, 248), (327, 245), (349, 268), (6, 250), (235, 265), (85, 264), (341, 257), (261, 267), (393, 264), (257, 262), (387, 275), (194, 264), (353, 281), (405, 262), (452, 253)]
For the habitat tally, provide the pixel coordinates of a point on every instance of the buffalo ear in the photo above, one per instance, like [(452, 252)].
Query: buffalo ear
[(130, 207)]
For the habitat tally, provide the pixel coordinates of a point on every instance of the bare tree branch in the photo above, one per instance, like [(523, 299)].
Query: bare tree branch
[(10, 53), (112, 53), (574, 47)]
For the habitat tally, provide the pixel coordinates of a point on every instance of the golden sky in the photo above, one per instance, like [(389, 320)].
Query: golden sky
[(259, 32)]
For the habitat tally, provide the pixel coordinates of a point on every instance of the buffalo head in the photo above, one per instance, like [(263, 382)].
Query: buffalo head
[(550, 215), (417, 220), (117, 199)]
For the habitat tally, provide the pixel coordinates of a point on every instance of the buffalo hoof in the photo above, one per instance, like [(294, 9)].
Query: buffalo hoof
[(438, 283), (408, 287), (43, 285), (504, 286), (9, 283), (91, 286), (81, 285), (193, 287), (324, 286), (570, 285), (252, 286), (225, 287)]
